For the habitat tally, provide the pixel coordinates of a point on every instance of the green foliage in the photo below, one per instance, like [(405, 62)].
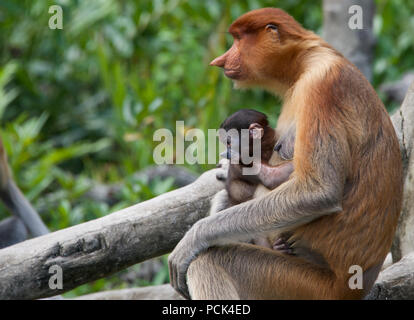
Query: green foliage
[(81, 104), (394, 27)]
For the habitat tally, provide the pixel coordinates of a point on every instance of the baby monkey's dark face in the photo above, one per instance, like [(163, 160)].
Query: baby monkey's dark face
[(246, 136), (240, 145)]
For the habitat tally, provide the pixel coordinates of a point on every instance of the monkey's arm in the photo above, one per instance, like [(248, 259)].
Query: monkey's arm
[(271, 176), (321, 163)]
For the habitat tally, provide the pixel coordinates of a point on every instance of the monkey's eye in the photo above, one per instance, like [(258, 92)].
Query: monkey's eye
[(271, 27)]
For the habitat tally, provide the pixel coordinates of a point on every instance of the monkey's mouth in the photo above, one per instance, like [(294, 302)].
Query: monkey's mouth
[(232, 73)]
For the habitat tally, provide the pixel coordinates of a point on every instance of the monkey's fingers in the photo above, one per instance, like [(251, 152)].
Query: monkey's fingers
[(282, 246), (279, 247), (172, 274), (182, 284), (278, 242), (284, 250), (178, 271)]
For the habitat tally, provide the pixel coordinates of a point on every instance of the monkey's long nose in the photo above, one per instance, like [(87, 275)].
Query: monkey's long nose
[(219, 61)]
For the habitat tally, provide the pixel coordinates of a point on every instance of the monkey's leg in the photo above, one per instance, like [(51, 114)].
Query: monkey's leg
[(243, 271)]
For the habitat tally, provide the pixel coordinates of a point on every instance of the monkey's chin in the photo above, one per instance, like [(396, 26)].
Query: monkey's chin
[(241, 85), (274, 87)]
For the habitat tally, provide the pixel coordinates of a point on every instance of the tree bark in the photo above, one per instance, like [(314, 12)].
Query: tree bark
[(355, 44), (403, 121), (98, 248), (396, 282)]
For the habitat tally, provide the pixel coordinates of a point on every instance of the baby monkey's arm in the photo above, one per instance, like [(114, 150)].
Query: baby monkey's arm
[(271, 176)]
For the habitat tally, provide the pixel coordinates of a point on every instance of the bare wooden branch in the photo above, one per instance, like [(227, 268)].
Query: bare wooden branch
[(98, 248), (162, 292), (403, 121)]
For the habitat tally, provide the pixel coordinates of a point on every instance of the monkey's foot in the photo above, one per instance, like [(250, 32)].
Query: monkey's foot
[(282, 246)]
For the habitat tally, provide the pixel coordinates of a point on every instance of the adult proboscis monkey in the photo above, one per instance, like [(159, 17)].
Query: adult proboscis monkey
[(341, 204)]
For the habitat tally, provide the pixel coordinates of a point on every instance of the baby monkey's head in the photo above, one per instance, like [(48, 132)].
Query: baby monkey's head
[(239, 131)]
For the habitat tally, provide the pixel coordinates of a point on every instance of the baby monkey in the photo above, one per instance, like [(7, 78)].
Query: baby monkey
[(242, 187)]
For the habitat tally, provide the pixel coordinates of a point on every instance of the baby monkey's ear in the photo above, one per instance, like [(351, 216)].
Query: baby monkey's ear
[(256, 131)]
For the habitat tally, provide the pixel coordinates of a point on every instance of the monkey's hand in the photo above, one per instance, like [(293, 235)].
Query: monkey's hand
[(224, 166), (179, 260), (282, 245)]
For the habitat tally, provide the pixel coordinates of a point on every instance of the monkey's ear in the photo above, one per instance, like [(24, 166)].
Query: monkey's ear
[(256, 131)]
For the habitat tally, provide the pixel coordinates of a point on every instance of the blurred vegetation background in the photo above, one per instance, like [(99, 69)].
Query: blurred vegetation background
[(79, 106)]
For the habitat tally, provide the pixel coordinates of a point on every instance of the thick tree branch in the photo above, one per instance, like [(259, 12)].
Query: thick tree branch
[(98, 248)]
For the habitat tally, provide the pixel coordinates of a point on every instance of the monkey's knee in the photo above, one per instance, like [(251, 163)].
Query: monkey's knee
[(208, 281)]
